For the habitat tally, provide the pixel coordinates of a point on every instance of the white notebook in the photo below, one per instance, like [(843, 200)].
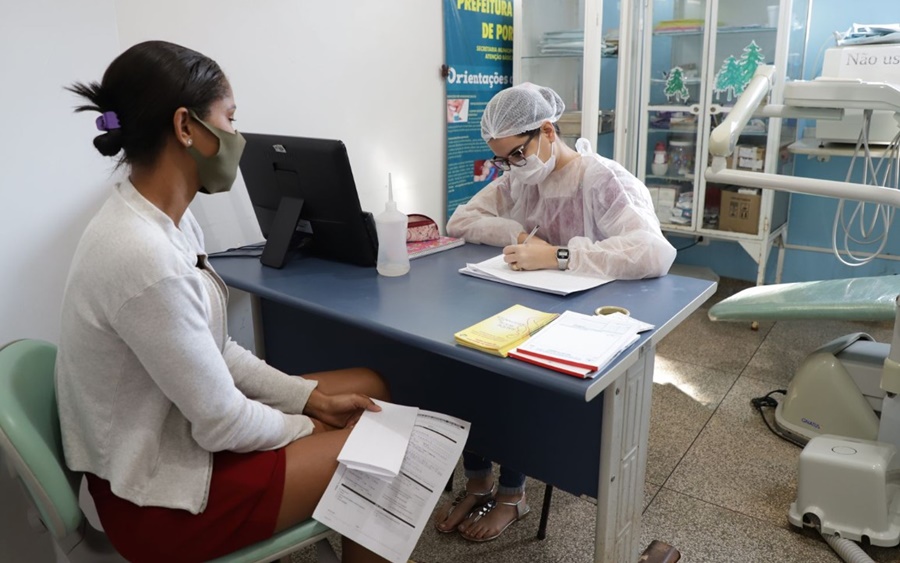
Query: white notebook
[(578, 344), (552, 281), (425, 247)]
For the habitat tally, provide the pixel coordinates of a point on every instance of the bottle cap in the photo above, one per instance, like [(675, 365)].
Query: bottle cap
[(391, 204)]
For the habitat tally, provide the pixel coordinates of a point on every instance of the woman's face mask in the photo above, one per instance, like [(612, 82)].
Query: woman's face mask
[(217, 172), (535, 170)]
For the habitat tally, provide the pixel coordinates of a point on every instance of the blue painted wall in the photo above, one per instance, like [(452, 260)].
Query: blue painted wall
[(811, 218), (608, 72)]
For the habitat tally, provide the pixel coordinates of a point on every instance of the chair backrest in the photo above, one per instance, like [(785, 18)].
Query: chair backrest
[(30, 435)]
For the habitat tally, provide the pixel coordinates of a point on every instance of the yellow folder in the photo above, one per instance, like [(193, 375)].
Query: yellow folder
[(504, 331)]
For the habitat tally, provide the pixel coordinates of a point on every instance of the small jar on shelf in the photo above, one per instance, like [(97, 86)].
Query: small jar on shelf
[(681, 157)]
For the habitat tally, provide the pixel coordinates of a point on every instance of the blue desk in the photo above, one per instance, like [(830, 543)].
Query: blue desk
[(587, 437)]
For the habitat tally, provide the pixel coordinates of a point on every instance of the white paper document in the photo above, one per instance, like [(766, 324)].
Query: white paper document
[(387, 516), (639, 326), (587, 342), (379, 439), (551, 281)]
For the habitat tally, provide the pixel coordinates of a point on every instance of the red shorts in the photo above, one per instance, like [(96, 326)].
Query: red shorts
[(242, 508)]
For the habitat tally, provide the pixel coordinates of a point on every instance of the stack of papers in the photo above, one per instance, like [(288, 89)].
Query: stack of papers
[(868, 34), (580, 345), (387, 515), (552, 281), (678, 26), (562, 42), (571, 43)]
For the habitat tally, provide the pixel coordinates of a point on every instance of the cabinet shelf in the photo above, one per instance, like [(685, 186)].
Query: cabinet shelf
[(670, 109), (674, 130), (689, 81), (672, 177), (724, 29), (563, 56), (675, 227), (813, 147)]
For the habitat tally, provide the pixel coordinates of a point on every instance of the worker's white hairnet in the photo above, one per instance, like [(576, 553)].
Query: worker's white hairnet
[(518, 109)]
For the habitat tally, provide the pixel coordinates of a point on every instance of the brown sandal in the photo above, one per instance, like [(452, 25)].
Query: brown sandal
[(522, 510), (482, 498)]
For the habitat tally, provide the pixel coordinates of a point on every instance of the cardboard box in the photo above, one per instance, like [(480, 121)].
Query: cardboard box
[(739, 212), (749, 157)]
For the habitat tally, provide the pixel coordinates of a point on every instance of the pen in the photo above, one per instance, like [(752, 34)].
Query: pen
[(531, 234)]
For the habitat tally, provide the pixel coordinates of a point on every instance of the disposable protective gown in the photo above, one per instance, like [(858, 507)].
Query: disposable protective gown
[(592, 206)]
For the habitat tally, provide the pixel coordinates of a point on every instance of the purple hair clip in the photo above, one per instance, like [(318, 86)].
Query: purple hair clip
[(107, 121)]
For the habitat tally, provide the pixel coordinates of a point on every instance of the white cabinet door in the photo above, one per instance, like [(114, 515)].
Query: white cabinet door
[(571, 47), (698, 57)]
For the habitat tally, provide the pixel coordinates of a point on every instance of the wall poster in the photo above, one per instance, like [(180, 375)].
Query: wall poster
[(478, 46)]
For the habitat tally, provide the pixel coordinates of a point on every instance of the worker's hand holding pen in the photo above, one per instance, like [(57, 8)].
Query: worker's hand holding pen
[(532, 253)]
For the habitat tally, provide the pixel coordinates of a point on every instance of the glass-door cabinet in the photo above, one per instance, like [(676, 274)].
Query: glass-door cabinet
[(576, 48), (699, 55)]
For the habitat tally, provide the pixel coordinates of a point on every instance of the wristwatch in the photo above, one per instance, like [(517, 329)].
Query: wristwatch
[(562, 258)]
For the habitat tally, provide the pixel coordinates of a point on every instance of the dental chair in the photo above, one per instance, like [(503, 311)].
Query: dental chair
[(849, 470)]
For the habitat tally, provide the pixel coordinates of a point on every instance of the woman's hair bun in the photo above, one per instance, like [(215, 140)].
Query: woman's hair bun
[(109, 143)]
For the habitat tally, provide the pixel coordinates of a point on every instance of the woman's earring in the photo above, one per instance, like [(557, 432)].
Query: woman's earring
[(190, 142)]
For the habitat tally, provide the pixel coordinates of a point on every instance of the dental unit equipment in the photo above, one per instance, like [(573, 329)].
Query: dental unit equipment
[(849, 477)]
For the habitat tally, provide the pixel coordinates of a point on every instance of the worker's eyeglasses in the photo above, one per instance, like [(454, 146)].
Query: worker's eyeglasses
[(516, 157)]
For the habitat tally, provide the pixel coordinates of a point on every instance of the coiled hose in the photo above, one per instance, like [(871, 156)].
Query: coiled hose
[(848, 550)]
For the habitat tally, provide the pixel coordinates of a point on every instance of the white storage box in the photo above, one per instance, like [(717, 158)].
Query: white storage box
[(849, 486)]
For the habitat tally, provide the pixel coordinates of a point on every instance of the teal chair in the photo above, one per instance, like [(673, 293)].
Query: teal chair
[(30, 440)]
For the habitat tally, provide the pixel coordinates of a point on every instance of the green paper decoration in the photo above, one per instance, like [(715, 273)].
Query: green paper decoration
[(676, 85), (734, 75)]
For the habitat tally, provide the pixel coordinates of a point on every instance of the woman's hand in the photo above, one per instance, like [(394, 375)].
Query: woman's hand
[(523, 236), (536, 255), (338, 411)]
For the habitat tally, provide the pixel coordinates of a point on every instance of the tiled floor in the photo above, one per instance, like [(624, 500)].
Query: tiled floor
[(718, 484)]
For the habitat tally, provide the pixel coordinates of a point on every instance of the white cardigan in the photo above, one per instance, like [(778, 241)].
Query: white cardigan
[(148, 382)]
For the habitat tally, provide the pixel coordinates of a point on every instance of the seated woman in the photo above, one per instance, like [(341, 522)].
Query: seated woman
[(593, 217), (193, 447)]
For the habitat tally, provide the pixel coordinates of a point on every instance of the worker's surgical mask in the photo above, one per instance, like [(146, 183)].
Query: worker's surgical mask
[(217, 172), (535, 170)]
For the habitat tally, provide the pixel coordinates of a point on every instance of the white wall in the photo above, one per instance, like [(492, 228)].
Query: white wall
[(360, 71), (51, 182), (51, 178)]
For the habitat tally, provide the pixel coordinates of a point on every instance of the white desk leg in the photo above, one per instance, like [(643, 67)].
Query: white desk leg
[(623, 462)]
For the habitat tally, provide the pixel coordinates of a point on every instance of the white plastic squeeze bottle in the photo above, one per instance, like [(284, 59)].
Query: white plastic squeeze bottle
[(391, 224)]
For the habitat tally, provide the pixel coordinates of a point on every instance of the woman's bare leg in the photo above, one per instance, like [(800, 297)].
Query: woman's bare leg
[(352, 380), (310, 462)]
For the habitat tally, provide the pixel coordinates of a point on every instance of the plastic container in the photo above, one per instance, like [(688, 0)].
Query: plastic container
[(681, 157), (772, 16), (391, 224), (692, 9), (660, 164)]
